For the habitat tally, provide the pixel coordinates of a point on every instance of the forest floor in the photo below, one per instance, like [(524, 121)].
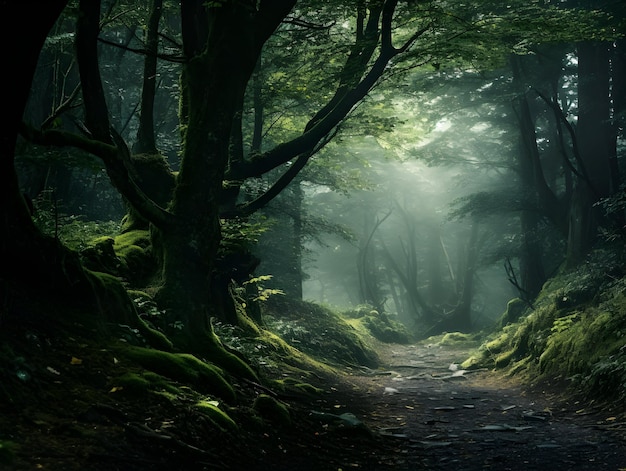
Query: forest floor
[(418, 411)]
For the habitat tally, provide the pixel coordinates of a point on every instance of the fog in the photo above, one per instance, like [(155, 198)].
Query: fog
[(415, 201), (417, 243)]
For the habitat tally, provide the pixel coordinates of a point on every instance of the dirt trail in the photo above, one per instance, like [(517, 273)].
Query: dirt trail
[(426, 413)]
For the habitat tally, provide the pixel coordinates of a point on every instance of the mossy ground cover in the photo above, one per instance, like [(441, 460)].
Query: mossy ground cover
[(114, 400), (379, 325), (575, 330), (318, 331)]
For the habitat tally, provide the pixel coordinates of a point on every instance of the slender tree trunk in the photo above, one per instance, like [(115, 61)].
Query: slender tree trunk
[(593, 138), (294, 268), (532, 274), (462, 318), (146, 142)]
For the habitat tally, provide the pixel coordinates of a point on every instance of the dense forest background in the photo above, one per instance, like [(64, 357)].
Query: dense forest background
[(171, 169)]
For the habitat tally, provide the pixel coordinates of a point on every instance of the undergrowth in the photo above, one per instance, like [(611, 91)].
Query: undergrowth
[(576, 331)]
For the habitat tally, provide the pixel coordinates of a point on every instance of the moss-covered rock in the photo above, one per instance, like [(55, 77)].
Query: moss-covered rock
[(385, 329), (514, 310), (128, 256), (318, 331), (459, 339), (272, 410)]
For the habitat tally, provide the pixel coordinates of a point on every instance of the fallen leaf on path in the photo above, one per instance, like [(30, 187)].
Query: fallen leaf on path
[(502, 428), (431, 444), (539, 416)]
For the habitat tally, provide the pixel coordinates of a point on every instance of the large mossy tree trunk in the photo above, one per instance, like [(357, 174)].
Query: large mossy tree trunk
[(221, 45), (37, 271), (28, 259)]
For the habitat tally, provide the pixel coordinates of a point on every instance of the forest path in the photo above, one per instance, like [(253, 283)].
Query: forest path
[(426, 413)]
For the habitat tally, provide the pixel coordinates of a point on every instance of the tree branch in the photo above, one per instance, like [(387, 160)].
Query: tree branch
[(116, 158), (582, 173)]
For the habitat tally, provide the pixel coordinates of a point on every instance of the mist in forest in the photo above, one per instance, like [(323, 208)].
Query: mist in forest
[(406, 253)]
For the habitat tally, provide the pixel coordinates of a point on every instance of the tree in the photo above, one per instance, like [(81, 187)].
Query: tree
[(221, 44)]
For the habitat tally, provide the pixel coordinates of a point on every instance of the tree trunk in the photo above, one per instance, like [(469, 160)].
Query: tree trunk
[(461, 319), (35, 269), (145, 134), (222, 45), (593, 137), (18, 233), (293, 286)]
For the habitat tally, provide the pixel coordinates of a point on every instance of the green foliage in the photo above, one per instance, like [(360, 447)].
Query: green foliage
[(262, 293), (564, 323), (485, 203), (73, 230), (608, 377), (614, 208), (239, 234)]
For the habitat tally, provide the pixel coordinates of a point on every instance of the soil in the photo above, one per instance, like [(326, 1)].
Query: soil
[(418, 411)]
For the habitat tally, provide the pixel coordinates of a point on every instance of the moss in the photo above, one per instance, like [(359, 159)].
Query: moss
[(296, 385), (153, 337), (119, 310), (581, 340), (385, 329), (184, 368), (114, 301), (514, 310), (217, 415), (318, 332), (137, 238), (132, 383), (308, 388), (458, 339), (577, 330), (139, 384), (230, 362), (8, 450), (272, 410)]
